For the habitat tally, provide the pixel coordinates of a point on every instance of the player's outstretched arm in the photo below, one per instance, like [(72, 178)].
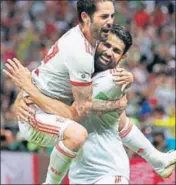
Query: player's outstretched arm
[(22, 79)]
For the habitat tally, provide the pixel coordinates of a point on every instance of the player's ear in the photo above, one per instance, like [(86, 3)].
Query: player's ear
[(85, 17)]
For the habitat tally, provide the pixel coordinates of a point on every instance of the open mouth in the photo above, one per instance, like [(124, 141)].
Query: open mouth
[(105, 30), (104, 60)]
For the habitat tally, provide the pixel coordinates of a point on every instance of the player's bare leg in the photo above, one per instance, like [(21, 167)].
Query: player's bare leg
[(133, 138), (74, 137), (66, 136)]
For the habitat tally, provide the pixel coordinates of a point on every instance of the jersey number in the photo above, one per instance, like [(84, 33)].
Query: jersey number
[(48, 57), (54, 51)]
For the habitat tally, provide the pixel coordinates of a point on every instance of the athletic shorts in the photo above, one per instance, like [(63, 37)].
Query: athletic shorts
[(44, 129), (112, 180)]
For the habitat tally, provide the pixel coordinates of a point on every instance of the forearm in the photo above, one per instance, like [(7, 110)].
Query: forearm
[(50, 105), (85, 104), (104, 105)]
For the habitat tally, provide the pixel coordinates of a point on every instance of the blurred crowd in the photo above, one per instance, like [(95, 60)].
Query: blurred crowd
[(29, 28)]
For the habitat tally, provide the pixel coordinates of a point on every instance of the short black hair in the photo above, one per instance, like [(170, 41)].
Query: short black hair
[(159, 109), (88, 6), (123, 35)]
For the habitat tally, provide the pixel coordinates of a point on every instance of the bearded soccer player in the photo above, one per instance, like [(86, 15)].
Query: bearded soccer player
[(102, 159), (89, 167)]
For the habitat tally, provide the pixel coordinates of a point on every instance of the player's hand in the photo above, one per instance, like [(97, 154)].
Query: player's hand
[(21, 108), (20, 75), (123, 78), (122, 104)]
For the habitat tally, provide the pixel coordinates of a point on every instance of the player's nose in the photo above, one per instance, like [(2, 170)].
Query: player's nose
[(109, 53), (109, 22)]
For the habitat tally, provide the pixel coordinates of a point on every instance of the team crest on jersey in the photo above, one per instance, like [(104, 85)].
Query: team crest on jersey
[(83, 75)]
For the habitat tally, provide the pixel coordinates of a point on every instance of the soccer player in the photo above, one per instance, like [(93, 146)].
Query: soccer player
[(65, 74), (103, 137), (102, 159), (106, 59)]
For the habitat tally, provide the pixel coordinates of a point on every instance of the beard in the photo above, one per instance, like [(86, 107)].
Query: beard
[(104, 33), (100, 33), (96, 32), (98, 65)]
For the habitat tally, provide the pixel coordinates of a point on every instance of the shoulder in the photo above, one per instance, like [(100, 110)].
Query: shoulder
[(80, 61), (103, 74), (103, 79), (72, 40)]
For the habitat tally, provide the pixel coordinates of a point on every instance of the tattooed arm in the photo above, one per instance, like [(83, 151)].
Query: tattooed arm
[(84, 101), (82, 95)]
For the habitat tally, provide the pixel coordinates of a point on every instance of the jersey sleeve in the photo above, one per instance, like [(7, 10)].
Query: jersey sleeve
[(80, 67)]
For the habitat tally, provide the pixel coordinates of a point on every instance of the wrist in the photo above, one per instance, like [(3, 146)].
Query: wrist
[(28, 87)]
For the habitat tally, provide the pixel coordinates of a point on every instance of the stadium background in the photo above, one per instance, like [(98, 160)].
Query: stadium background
[(29, 28)]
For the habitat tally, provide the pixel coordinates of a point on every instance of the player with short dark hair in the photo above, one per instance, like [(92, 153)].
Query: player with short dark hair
[(65, 74)]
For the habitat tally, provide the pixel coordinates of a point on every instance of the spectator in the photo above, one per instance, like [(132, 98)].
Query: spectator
[(141, 17), (159, 142)]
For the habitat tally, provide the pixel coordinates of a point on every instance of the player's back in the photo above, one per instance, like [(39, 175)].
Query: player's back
[(103, 153), (66, 59)]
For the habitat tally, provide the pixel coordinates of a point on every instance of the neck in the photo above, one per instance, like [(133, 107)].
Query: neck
[(85, 31)]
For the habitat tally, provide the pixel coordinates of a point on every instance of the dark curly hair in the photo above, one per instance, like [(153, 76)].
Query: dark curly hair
[(123, 34)]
